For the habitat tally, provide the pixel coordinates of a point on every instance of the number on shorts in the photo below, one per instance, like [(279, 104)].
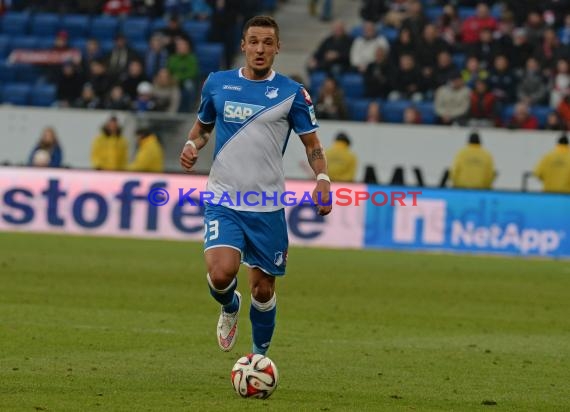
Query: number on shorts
[(211, 230)]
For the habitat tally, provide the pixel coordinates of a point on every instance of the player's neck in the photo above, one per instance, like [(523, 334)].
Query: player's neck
[(249, 74)]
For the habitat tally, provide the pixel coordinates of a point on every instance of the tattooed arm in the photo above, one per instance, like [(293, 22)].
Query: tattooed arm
[(197, 139), (318, 162)]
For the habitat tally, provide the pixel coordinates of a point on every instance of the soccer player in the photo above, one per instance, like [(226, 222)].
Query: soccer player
[(255, 110)]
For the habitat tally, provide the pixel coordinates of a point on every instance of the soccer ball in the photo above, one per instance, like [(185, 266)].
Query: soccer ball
[(255, 376)]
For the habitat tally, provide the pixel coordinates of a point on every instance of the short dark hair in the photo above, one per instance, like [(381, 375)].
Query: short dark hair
[(343, 137), (474, 138), (563, 139), (261, 21)]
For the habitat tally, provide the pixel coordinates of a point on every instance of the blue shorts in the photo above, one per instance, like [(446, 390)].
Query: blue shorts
[(261, 237)]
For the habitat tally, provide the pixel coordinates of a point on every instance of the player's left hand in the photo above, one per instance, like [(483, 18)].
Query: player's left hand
[(322, 197)]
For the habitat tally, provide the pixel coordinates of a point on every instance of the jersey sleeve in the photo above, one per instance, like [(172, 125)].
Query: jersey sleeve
[(302, 115), (207, 109)]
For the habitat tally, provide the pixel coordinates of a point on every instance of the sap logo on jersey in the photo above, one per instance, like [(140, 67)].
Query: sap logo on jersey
[(235, 112)]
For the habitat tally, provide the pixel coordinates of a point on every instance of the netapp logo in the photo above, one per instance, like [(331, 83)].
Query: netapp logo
[(429, 220)]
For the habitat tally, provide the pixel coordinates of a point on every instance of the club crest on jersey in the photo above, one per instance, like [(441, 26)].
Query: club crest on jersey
[(278, 259), (236, 112), (271, 92)]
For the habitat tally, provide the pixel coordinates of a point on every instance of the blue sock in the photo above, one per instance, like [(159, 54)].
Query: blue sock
[(226, 297), (262, 316)]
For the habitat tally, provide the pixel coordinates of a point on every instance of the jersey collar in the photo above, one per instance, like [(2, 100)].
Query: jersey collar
[(271, 76)]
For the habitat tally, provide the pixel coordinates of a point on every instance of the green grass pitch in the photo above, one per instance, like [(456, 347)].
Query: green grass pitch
[(100, 324)]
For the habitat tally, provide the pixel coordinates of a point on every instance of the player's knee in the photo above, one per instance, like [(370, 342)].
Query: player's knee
[(221, 276), (262, 291)]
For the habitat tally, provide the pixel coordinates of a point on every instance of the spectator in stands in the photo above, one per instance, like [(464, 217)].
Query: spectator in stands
[(149, 156), (333, 54), (131, 79), (373, 10), (472, 26), (532, 85), (156, 56), (449, 25), (92, 52), (225, 15), (88, 98), (522, 118), (534, 27), (415, 20), (444, 71), (69, 84), (171, 32), (117, 99), (331, 103), (363, 49), (502, 82), (483, 106), (183, 65), (145, 100), (473, 72), (485, 49), (166, 92), (407, 81), (521, 51), (110, 148), (429, 47), (99, 79), (563, 111), (119, 58), (452, 101), (412, 115), (404, 44), (341, 160), (553, 122), (560, 83), (201, 10), (554, 168), (117, 7), (397, 12), (47, 152), (473, 166), (378, 76), (550, 51), (373, 113), (565, 31)]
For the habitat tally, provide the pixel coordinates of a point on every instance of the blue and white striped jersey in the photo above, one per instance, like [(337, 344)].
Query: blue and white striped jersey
[(254, 119)]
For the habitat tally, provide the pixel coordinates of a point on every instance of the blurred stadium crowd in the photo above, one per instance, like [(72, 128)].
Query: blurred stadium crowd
[(467, 62)]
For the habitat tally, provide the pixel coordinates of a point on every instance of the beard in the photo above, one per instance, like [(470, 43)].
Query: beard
[(261, 72)]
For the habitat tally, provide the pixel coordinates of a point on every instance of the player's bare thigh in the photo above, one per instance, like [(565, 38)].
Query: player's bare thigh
[(261, 284), (223, 265)]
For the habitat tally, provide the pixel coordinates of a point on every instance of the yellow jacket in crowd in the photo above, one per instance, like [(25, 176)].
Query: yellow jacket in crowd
[(149, 156), (109, 152), (554, 170), (341, 162), (473, 168)]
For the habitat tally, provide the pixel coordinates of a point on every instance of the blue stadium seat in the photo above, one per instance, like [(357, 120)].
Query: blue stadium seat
[(7, 74), (507, 112), (541, 113), (16, 93), (390, 33), (316, 80), (4, 45), (157, 24), (43, 95), (44, 24), (459, 60), (106, 45), (464, 12), (15, 23), (104, 27), (27, 73), (24, 42), (352, 84), (393, 112), (210, 57), (46, 42), (427, 112), (358, 108), (433, 13), (76, 25), (141, 47), (135, 28), (269, 6), (79, 43), (197, 30)]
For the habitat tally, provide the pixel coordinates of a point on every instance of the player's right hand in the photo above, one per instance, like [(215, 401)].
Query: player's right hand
[(188, 157)]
